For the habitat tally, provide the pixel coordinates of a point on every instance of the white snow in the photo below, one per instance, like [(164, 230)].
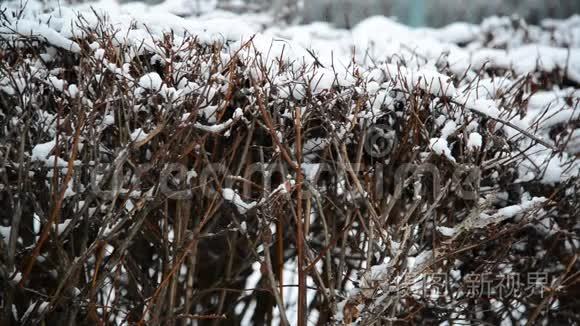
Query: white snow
[(448, 232), (440, 147), (487, 107), (60, 227), (99, 54), (392, 60), (216, 128), (5, 233), (511, 211), (138, 135), (16, 278), (432, 82), (238, 113), (231, 196), (56, 83), (73, 90), (151, 81), (43, 307), (474, 141), (448, 129), (553, 172), (27, 27), (40, 152), (457, 32)]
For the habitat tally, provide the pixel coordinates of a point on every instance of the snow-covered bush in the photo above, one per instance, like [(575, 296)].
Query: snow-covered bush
[(222, 168)]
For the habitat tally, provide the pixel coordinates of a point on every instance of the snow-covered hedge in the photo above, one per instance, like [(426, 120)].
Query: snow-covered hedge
[(165, 169)]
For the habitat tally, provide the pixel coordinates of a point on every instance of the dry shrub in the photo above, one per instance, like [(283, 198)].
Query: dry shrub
[(151, 196)]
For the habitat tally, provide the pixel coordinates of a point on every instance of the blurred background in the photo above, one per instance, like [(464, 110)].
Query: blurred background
[(346, 13)]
